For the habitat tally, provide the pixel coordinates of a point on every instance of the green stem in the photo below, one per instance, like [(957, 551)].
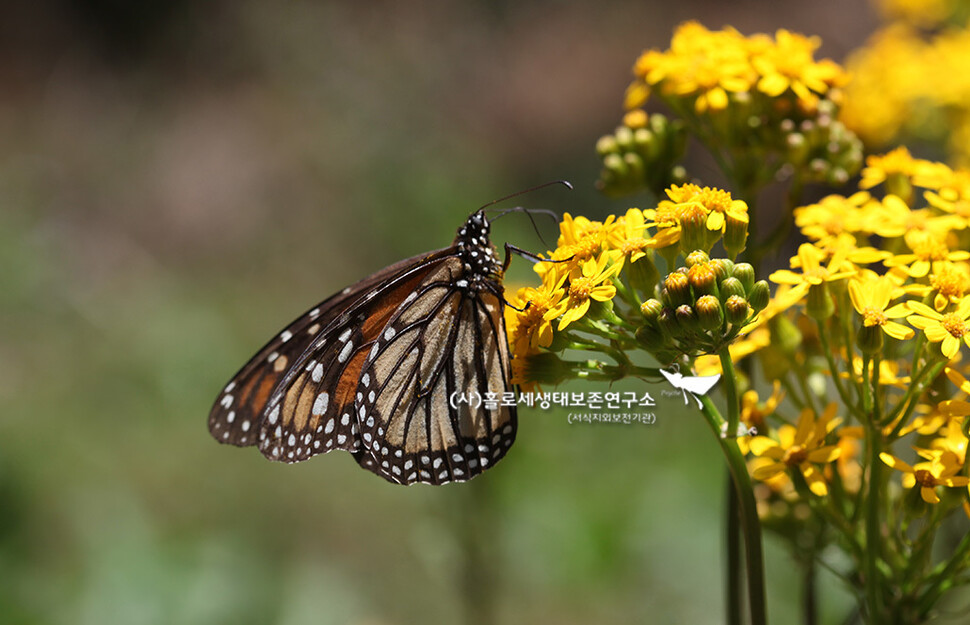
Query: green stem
[(750, 524), (873, 587), (735, 574), (945, 577), (731, 392), (836, 378), (809, 597)]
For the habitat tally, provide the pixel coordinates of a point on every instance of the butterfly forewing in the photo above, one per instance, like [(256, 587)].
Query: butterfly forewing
[(405, 369), (236, 416)]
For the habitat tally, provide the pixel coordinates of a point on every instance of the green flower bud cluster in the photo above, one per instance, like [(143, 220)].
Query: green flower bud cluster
[(821, 149), (644, 154), (700, 307)]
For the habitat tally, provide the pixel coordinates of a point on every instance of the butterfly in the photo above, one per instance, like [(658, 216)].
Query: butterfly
[(375, 370)]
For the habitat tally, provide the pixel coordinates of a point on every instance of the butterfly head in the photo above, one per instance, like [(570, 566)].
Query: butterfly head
[(481, 263)]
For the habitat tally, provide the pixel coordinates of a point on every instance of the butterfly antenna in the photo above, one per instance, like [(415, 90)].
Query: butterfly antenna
[(565, 183)]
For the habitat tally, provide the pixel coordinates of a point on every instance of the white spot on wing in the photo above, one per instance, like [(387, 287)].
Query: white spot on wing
[(321, 403), (317, 374), (345, 352), (286, 335)]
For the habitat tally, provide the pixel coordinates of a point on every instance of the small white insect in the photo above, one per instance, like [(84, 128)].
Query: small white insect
[(693, 384)]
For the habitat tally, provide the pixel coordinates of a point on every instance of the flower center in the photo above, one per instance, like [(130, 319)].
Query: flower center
[(795, 455), (953, 324), (949, 282), (924, 478), (872, 316), (580, 288)]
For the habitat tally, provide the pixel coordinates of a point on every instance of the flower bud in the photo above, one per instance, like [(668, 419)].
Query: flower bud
[(615, 164), (696, 257), (702, 280), (643, 274), (819, 305), (651, 338), (745, 273), (736, 310), (676, 290), (869, 339), (624, 138), (693, 228), (735, 233), (667, 322), (644, 141), (687, 318), (607, 145), (709, 312), (731, 287), (759, 296), (785, 335), (634, 163), (651, 310), (723, 268)]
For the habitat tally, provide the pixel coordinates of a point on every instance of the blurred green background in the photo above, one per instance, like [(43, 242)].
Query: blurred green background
[(179, 179)]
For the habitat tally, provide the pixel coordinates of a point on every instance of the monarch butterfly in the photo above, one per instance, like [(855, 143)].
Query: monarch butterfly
[(371, 370)]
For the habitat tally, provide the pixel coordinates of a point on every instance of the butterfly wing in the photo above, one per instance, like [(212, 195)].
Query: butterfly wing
[(237, 416), (443, 341)]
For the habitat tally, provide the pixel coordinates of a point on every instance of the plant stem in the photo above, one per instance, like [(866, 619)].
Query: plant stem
[(748, 509), (735, 574), (871, 553)]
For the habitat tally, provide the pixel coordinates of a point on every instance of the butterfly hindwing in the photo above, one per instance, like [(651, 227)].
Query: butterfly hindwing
[(422, 411)]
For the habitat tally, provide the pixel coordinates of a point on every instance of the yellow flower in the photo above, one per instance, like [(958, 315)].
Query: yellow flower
[(898, 162), (871, 298), (813, 273), (531, 326), (700, 63), (947, 329), (799, 447), (789, 64), (951, 439), (833, 216), (627, 236), (951, 281), (580, 240), (928, 250), (886, 75), (590, 282), (940, 470)]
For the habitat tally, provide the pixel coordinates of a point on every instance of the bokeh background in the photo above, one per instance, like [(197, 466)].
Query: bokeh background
[(178, 179)]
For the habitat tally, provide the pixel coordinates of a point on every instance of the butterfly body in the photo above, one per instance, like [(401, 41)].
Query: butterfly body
[(371, 371)]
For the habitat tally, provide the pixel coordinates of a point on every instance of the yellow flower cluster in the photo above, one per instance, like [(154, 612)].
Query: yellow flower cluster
[(921, 275), (707, 66), (589, 256), (905, 83)]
